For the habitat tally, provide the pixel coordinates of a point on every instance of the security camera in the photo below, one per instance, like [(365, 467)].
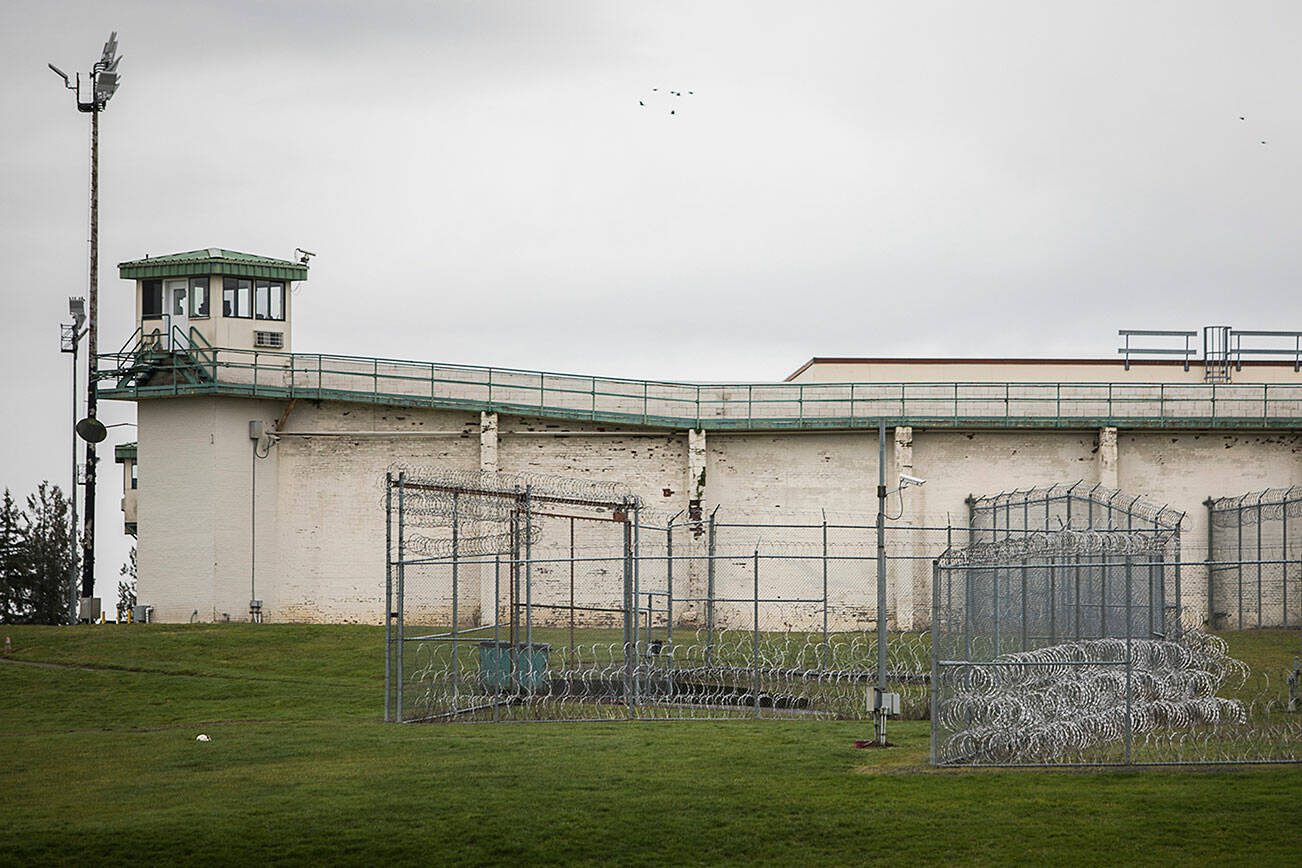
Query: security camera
[(906, 480)]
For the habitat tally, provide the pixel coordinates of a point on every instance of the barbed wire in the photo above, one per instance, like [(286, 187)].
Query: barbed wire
[(1257, 507), (1050, 705), (1045, 497), (1059, 543)]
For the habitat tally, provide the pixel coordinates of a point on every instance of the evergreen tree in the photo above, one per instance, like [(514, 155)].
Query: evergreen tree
[(15, 572), (49, 555)]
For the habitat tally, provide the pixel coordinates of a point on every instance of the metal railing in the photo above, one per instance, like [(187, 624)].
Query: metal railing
[(1280, 351), (135, 374), (1187, 352)]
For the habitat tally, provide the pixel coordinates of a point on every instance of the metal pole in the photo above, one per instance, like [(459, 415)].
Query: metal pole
[(402, 582), (92, 349), (1210, 503), (1130, 665), (826, 646), (74, 561), (629, 616), (935, 651), (569, 653), (1283, 553), (1259, 517), (456, 574), (497, 638), (528, 583), (388, 590), (879, 716), (669, 602), (709, 591), (755, 640), (637, 593), (1239, 516), (253, 532)]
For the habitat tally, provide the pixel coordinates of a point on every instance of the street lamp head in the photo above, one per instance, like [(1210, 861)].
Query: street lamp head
[(67, 82)]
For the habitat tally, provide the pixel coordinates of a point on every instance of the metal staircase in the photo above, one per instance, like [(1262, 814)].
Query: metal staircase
[(156, 358)]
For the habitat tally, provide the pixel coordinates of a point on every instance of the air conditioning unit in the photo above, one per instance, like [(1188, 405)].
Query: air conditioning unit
[(269, 340)]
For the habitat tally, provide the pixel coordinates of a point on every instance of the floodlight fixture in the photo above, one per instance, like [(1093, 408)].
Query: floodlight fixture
[(77, 309), (110, 49)]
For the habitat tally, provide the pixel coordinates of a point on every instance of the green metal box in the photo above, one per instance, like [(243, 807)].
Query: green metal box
[(530, 667)]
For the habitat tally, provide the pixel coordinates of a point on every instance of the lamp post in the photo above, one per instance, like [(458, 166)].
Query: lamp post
[(884, 702), (104, 80)]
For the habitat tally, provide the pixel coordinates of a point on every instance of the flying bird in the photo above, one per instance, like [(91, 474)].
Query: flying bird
[(639, 102), (671, 111), (1263, 141), (1242, 118)]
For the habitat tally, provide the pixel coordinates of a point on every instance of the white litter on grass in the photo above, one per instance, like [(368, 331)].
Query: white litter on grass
[(202, 737)]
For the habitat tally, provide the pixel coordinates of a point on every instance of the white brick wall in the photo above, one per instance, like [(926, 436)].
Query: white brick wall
[(321, 523)]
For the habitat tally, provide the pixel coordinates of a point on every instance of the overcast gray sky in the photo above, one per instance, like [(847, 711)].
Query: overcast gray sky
[(481, 185)]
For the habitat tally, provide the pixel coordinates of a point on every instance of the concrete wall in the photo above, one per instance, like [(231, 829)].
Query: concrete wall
[(320, 519)]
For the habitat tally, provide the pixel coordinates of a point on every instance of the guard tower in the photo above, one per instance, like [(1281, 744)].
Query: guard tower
[(213, 298)]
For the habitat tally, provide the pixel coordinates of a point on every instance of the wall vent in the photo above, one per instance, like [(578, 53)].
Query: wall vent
[(269, 340)]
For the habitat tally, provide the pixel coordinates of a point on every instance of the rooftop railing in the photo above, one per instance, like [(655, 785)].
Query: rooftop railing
[(756, 406)]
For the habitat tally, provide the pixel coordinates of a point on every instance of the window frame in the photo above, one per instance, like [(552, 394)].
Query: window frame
[(198, 285), (274, 292), (231, 284), (159, 302)]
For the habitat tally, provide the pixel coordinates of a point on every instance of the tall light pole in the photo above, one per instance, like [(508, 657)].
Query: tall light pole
[(104, 81), (70, 337)]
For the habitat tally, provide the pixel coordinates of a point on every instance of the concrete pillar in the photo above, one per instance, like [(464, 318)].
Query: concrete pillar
[(488, 442), (1107, 458), (487, 464), (695, 543)]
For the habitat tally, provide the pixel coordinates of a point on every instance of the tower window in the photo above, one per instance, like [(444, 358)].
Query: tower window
[(269, 300), (236, 300), (151, 299)]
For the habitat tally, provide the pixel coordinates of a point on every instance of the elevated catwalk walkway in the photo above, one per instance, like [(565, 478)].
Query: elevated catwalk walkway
[(146, 371)]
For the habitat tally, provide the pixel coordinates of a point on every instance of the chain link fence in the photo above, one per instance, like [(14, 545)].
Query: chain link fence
[(1255, 559)]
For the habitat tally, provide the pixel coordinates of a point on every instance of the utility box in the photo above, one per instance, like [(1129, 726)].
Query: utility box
[(89, 610), (889, 703), (140, 614), (525, 670)]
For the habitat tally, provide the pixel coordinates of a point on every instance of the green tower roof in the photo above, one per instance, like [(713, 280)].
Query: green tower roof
[(212, 260)]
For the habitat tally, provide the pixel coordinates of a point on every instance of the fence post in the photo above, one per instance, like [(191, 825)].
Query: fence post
[(629, 615), (826, 646), (388, 590), (456, 575), (755, 638), (528, 583), (1130, 725), (669, 602), (637, 592), (709, 591), (497, 637), (935, 652), (402, 582)]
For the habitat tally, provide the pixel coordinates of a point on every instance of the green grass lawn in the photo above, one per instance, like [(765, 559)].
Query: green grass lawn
[(98, 762)]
